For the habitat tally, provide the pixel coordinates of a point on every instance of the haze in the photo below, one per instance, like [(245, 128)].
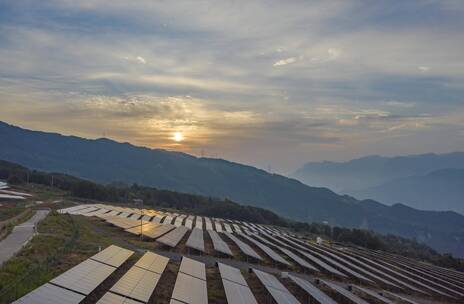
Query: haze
[(272, 84)]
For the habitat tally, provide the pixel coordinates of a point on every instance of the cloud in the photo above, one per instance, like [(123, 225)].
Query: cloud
[(141, 60), (285, 61), (401, 104), (424, 68), (334, 53), (312, 79)]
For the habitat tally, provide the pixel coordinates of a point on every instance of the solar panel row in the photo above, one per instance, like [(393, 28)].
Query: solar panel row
[(196, 240), (173, 237), (235, 286), (277, 290), (190, 286), (218, 244)]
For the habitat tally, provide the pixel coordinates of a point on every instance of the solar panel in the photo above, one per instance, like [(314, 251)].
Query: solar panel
[(135, 216), (321, 263), (352, 297), (287, 252), (113, 255), (124, 223), (109, 214), (375, 269), (218, 226), (231, 274), (417, 269), (245, 248), (196, 240), (146, 218), (190, 286), (277, 290), (153, 262), (237, 228), (49, 293), (373, 294), (218, 244), (312, 290), (238, 294), (193, 268), (227, 228), (145, 228), (339, 265), (158, 218), (173, 238), (167, 220), (413, 275), (179, 220), (397, 296), (111, 298), (84, 277), (85, 210), (208, 224), (96, 212), (351, 265), (124, 214), (189, 222), (271, 253), (153, 230), (395, 270), (190, 290), (199, 222), (137, 283)]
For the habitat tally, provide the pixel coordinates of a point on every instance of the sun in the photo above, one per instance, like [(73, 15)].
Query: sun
[(178, 136)]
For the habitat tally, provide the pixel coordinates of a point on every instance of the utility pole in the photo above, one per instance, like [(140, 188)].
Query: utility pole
[(139, 202), (141, 230)]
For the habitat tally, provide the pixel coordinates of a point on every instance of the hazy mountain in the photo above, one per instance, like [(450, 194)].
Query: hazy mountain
[(371, 171), (438, 190), (106, 161)]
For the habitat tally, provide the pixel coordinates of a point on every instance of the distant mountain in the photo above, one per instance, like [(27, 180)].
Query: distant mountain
[(439, 190), (106, 161), (371, 171)]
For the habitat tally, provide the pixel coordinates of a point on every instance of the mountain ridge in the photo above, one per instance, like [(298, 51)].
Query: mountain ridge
[(438, 190), (109, 161)]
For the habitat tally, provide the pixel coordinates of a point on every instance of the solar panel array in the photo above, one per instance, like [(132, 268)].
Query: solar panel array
[(378, 269)]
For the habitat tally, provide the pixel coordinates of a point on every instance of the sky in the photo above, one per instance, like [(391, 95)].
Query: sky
[(272, 84)]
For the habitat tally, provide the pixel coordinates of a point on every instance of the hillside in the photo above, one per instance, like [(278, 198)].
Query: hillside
[(107, 161), (68, 189), (370, 171)]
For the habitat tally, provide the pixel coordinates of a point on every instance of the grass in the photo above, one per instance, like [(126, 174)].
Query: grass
[(9, 212)]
